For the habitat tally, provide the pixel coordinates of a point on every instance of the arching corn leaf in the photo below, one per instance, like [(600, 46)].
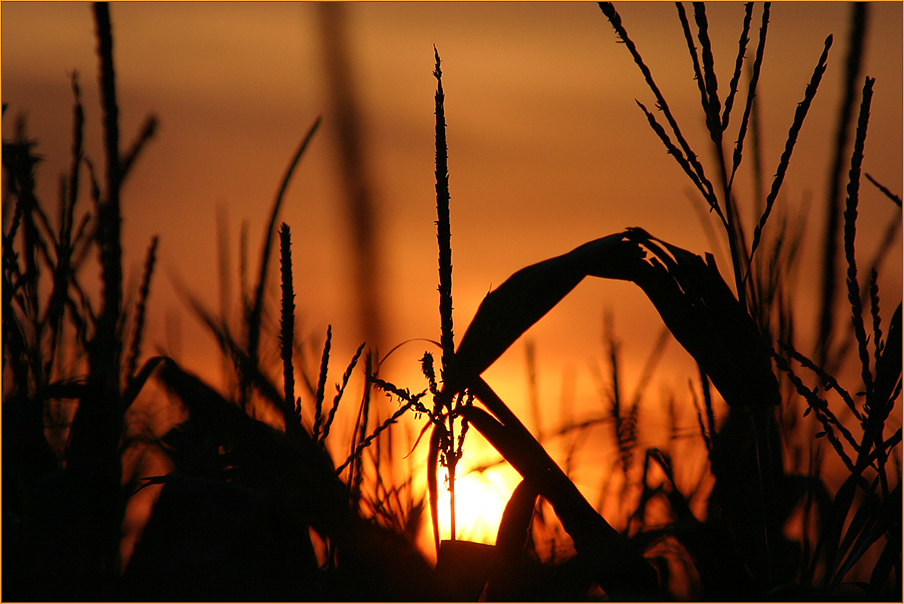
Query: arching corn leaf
[(688, 292)]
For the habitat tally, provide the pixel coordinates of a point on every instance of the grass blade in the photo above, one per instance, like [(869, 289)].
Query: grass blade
[(695, 59), (339, 391), (705, 185), (357, 475), (828, 380), (649, 367), (432, 489), (706, 430), (739, 64), (443, 231), (225, 286), (830, 260), (895, 198), (64, 270), (681, 159), (141, 309), (291, 411), (712, 107), (533, 392), (94, 454), (864, 529), (873, 288), (148, 129), (254, 316), (321, 383), (850, 230), (888, 366), (751, 94), (799, 115), (233, 351), (368, 439), (139, 379)]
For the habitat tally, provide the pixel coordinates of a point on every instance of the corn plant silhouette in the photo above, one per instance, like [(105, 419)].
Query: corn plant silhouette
[(256, 512), (728, 336), (70, 547)]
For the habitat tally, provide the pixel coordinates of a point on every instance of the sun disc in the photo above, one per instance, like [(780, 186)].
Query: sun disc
[(480, 499)]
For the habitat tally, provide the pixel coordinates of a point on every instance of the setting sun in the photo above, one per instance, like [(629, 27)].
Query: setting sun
[(480, 499)]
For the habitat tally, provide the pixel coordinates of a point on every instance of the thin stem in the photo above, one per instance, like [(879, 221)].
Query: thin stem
[(830, 259), (291, 414), (739, 64), (443, 229), (140, 311), (885, 190), (799, 115), (751, 93), (705, 185), (451, 462), (256, 311), (850, 229)]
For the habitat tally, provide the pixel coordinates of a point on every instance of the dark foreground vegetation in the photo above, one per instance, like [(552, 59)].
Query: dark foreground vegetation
[(246, 511)]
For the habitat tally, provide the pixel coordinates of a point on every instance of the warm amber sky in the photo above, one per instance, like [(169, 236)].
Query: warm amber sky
[(547, 150)]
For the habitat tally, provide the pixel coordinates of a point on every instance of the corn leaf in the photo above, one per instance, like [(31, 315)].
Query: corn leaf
[(689, 293)]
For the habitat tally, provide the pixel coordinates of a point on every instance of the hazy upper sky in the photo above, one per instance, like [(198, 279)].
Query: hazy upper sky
[(547, 150)]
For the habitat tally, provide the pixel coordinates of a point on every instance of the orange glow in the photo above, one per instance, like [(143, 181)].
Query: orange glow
[(547, 151), (480, 499)]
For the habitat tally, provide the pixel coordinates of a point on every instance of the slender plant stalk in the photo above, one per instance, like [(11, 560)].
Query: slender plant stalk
[(850, 229), (885, 190), (676, 153), (97, 426), (532, 388), (712, 108), (224, 290), (692, 50), (148, 129), (443, 230), (739, 64), (325, 431), (873, 291), (799, 115), (688, 156), (348, 125), (413, 403), (106, 353), (750, 103), (830, 260), (444, 241), (649, 367), (321, 383), (451, 463), (712, 105), (244, 289), (141, 309), (705, 433), (256, 310), (291, 412), (64, 271)]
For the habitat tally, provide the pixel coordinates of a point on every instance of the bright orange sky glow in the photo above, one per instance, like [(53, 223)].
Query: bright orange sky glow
[(547, 150)]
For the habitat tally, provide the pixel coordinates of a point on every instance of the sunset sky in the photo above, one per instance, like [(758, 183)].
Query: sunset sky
[(547, 150)]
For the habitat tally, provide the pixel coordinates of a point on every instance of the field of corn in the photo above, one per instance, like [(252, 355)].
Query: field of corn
[(127, 477)]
